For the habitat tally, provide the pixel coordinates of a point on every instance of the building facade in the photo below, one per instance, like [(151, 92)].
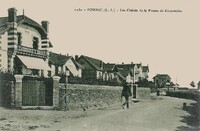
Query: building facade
[(162, 80), (24, 45)]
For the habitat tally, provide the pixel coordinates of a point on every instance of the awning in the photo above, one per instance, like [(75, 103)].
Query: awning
[(34, 63), (72, 70)]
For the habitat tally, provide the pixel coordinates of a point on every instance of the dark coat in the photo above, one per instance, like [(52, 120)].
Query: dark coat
[(126, 91)]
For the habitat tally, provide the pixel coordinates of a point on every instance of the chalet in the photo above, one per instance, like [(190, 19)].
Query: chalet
[(24, 45), (93, 68), (112, 73), (132, 71), (162, 80), (62, 64), (145, 71)]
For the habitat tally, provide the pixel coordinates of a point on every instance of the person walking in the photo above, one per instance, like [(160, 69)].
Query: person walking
[(126, 93)]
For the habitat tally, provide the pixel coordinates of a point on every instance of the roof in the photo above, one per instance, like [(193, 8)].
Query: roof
[(79, 65), (21, 19), (125, 73), (138, 65), (58, 59), (3, 24), (109, 67), (145, 68), (162, 76), (96, 63), (126, 66), (120, 75)]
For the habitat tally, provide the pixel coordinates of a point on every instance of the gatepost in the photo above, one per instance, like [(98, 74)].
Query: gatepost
[(18, 91), (56, 91)]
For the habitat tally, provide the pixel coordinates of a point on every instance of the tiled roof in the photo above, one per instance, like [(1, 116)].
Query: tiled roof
[(162, 76), (58, 59), (126, 66), (109, 67), (22, 19), (96, 63), (125, 73)]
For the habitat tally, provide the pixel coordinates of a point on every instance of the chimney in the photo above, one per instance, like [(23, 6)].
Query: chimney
[(76, 57), (45, 25), (12, 15), (131, 63), (122, 63)]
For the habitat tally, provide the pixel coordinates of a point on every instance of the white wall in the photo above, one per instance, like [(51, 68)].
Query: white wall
[(3, 51), (27, 35)]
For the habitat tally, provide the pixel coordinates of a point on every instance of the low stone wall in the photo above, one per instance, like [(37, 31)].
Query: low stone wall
[(94, 96), (143, 93), (89, 96)]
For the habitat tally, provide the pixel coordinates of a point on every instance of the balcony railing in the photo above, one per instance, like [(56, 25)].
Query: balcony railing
[(22, 50)]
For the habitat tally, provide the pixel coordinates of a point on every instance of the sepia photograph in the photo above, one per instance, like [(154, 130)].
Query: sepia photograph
[(99, 65)]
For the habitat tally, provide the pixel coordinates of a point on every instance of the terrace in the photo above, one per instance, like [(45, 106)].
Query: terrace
[(27, 51)]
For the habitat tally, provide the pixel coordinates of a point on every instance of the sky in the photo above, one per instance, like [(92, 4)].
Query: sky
[(168, 42)]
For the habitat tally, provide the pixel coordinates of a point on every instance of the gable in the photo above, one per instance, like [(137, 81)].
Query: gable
[(92, 63), (86, 64)]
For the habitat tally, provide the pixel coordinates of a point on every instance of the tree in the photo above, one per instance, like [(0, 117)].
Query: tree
[(199, 85), (192, 84)]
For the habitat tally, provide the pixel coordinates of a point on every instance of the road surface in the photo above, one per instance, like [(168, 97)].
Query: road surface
[(158, 114)]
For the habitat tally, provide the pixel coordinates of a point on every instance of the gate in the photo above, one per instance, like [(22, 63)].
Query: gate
[(36, 92)]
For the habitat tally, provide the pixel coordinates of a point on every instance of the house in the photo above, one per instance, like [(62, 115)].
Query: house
[(62, 64), (162, 80), (93, 68), (145, 72), (132, 71), (112, 73), (24, 45)]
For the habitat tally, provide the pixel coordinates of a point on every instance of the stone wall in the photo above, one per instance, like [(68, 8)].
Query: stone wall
[(143, 93), (92, 96), (89, 96)]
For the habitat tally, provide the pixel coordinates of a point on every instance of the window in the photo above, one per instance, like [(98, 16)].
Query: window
[(35, 43), (19, 36), (56, 70), (49, 73), (42, 73), (35, 72)]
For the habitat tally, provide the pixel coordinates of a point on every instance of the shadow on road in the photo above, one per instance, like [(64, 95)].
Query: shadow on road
[(193, 119)]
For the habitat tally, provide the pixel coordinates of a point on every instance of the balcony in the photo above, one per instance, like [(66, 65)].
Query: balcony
[(27, 51)]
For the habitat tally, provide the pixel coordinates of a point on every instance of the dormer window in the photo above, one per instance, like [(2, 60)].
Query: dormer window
[(35, 43)]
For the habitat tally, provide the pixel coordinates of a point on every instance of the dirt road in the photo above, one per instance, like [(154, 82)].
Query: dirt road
[(159, 114)]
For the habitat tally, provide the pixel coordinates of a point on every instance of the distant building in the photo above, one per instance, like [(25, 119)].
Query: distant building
[(64, 65), (135, 72), (162, 80), (24, 45), (112, 73), (145, 72), (96, 69), (93, 68)]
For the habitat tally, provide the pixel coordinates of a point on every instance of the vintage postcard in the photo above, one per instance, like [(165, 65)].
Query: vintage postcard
[(99, 65)]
